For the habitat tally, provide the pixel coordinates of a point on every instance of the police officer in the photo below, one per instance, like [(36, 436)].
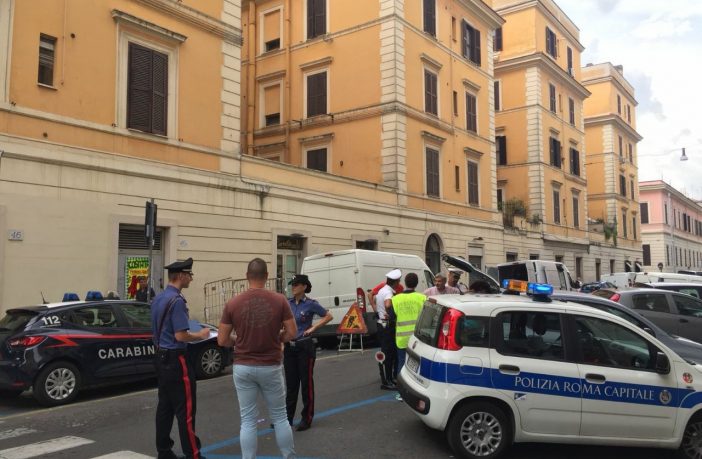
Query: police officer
[(386, 331), (300, 353), (176, 378)]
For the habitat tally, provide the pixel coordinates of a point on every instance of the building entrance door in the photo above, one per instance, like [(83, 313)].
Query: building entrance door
[(289, 260)]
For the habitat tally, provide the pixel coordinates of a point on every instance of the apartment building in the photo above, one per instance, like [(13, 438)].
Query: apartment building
[(671, 228), (612, 164)]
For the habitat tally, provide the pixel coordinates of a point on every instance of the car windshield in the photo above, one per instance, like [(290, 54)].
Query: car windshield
[(16, 320)]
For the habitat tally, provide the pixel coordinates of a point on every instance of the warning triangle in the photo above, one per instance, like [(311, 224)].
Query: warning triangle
[(352, 322)]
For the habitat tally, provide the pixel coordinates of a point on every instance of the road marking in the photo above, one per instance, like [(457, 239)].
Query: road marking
[(43, 447), (15, 433), (124, 455)]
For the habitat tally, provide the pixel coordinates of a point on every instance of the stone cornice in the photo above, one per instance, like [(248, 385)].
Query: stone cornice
[(544, 62), (126, 18), (483, 12), (629, 91), (201, 20), (613, 119)]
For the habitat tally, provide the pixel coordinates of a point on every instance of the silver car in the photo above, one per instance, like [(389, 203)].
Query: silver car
[(676, 313)]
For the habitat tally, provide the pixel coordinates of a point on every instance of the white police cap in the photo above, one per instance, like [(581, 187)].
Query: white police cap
[(395, 274)]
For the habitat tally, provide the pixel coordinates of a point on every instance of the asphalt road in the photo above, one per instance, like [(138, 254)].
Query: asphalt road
[(354, 419)]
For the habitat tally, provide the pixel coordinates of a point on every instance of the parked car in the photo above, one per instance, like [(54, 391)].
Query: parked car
[(592, 286), (688, 288), (685, 348), (59, 349), (676, 313)]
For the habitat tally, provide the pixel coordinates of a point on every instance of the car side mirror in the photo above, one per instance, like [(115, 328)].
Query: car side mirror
[(662, 364)]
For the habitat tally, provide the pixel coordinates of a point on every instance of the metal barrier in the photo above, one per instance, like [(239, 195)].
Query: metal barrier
[(217, 293)]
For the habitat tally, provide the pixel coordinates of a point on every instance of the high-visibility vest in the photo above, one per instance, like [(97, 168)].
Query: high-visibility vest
[(407, 307)]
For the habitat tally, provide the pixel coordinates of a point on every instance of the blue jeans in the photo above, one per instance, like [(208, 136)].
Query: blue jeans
[(267, 380)]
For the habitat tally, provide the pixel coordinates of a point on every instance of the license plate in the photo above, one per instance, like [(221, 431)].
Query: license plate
[(412, 364)]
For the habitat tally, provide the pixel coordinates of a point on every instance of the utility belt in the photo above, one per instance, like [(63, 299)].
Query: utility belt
[(170, 355), (300, 342)]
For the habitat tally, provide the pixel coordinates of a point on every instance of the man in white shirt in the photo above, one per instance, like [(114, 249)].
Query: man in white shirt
[(386, 331)]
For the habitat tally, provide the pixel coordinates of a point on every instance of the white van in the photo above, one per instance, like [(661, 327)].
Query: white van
[(340, 279), (539, 271), (622, 279)]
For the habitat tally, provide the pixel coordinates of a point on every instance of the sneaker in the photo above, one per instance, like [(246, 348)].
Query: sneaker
[(388, 387), (302, 426)]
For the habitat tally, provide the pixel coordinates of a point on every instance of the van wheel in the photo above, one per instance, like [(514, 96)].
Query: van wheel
[(479, 430), (57, 384), (691, 446)]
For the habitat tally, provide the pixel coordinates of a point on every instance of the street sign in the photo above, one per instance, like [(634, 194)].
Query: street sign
[(353, 322), (150, 221)]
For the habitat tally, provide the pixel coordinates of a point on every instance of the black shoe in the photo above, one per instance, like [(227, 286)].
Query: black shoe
[(388, 386), (302, 426)]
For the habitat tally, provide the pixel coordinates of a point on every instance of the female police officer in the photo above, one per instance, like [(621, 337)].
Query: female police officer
[(300, 353)]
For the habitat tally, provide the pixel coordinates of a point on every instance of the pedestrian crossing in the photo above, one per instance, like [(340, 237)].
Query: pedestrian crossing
[(68, 443)]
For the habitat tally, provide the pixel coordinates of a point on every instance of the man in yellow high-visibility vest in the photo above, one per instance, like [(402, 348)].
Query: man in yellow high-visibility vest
[(406, 307)]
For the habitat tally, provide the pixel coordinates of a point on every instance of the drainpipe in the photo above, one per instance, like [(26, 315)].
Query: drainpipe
[(251, 80), (286, 100)]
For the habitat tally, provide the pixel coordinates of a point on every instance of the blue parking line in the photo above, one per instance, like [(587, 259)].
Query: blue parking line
[(268, 430)]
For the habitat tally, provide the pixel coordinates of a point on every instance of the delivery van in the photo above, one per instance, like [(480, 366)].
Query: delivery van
[(539, 271), (622, 279), (341, 278)]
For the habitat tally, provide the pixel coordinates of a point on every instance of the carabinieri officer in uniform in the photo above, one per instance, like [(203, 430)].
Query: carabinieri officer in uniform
[(176, 378), (300, 353)]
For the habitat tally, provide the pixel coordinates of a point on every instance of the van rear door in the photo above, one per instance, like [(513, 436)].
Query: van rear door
[(317, 269)]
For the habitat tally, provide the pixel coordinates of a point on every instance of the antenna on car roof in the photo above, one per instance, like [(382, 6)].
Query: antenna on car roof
[(42, 298)]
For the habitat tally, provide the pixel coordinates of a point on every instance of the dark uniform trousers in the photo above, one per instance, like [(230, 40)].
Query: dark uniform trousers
[(298, 360), (386, 339), (176, 397)]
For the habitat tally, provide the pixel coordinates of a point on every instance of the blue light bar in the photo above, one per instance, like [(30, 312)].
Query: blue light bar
[(70, 297), (505, 283), (93, 295), (539, 289)]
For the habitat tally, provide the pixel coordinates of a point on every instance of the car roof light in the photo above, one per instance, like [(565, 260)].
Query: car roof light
[(515, 286), (539, 289), (93, 295), (70, 296)]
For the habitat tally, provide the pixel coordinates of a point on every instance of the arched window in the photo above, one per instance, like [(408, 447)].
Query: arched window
[(433, 253)]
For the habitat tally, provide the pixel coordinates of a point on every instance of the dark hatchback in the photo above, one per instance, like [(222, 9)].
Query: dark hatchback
[(59, 349)]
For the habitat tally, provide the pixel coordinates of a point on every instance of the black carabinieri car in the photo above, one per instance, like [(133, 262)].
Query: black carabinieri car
[(59, 349)]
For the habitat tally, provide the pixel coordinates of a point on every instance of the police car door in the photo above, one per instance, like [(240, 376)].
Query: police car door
[(623, 394), (105, 350), (137, 317), (530, 365)]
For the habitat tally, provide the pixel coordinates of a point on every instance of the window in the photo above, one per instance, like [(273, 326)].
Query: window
[(557, 207), (532, 334), (665, 213), (646, 254), (555, 152), (147, 90), (576, 213), (270, 32), (470, 45), (688, 306), (317, 159), (552, 97), (631, 154), (453, 28), (455, 103), (619, 104), (473, 331), (471, 113), (571, 111), (473, 198), (631, 182), (431, 99), (551, 43), (271, 104), (430, 17), (501, 147), (606, 343), (628, 113), (625, 233), (316, 18), (368, 244), (500, 198), (622, 185), (100, 316), (569, 55), (497, 96), (497, 40), (621, 148), (457, 177), (137, 315), (47, 56), (651, 302), (574, 162), (633, 227), (316, 94), (432, 167)]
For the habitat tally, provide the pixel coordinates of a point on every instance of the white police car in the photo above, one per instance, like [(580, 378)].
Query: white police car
[(493, 369)]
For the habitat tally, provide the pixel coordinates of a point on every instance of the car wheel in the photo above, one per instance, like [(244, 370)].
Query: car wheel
[(479, 430), (691, 446), (210, 362), (57, 384)]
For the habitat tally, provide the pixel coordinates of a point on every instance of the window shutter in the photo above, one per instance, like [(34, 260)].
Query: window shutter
[(501, 150), (430, 93), (160, 93), (473, 183), (559, 154), (496, 90), (317, 94), (139, 88), (432, 160), (320, 17), (465, 39), (430, 17), (476, 47), (310, 19), (471, 115)]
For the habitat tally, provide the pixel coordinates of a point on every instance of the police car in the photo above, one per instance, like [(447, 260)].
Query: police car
[(493, 369), (58, 349)]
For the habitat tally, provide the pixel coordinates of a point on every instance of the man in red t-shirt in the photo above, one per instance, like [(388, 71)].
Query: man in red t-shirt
[(261, 321)]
